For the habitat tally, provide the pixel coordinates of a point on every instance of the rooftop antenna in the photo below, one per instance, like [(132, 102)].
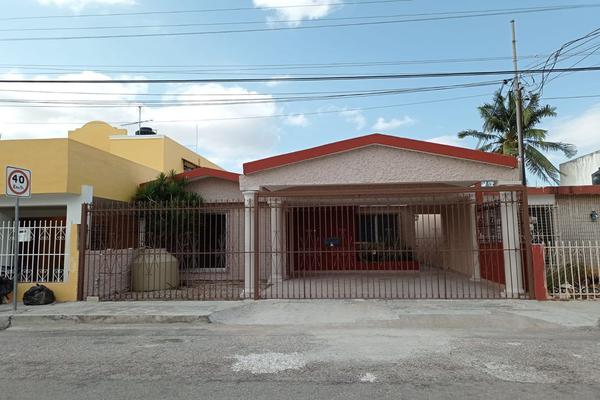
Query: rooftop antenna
[(139, 121)]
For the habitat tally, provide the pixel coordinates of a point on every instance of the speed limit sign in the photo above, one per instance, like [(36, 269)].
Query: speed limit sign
[(18, 182)]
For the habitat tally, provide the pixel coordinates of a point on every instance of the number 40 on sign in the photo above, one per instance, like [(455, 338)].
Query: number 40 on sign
[(18, 182)]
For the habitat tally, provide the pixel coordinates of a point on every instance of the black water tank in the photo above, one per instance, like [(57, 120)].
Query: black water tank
[(145, 130), (596, 177)]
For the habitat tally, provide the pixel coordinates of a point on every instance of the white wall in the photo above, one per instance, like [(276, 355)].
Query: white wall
[(579, 171)]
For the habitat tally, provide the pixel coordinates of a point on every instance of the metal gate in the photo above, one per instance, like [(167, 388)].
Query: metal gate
[(393, 243), (155, 251)]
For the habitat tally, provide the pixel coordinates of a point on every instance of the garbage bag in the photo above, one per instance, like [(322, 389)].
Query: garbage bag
[(38, 295), (6, 287)]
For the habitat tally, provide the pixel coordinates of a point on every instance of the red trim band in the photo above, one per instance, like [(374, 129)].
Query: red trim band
[(204, 172), (380, 139), (564, 190)]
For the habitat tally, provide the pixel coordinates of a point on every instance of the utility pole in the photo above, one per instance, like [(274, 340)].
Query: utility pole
[(139, 120), (519, 107)]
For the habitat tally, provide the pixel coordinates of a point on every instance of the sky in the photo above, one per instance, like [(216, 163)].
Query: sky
[(283, 45)]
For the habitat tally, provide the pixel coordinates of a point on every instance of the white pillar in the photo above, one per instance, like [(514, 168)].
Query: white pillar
[(276, 240), (249, 238), (513, 270), (476, 272)]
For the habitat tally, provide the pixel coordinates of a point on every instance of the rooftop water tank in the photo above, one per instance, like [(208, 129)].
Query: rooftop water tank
[(145, 130)]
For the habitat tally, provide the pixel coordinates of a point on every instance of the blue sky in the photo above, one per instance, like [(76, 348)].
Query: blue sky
[(228, 138)]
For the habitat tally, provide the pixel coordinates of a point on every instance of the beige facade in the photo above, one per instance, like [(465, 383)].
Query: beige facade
[(377, 164)]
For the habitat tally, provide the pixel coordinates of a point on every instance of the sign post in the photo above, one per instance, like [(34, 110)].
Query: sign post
[(18, 184)]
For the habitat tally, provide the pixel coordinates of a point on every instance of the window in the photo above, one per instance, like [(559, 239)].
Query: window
[(378, 228), (212, 241), (188, 165)]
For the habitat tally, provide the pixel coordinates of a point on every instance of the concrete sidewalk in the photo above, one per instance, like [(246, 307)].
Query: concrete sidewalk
[(409, 314)]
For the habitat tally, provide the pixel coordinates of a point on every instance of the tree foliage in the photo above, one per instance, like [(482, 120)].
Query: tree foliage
[(499, 133), (166, 189)]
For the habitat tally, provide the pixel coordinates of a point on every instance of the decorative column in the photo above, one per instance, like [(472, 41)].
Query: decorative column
[(476, 272), (249, 212), (276, 240), (513, 269)]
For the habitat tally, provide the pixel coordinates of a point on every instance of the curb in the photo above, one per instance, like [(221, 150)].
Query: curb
[(4, 323), (27, 320)]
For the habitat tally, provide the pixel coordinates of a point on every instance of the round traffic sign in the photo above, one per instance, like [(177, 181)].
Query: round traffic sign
[(18, 182)]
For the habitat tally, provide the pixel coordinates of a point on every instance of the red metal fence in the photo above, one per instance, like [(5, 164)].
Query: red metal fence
[(390, 243), (163, 251), (415, 243)]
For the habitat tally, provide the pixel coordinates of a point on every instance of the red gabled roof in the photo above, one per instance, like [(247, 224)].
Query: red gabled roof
[(380, 139), (564, 190), (204, 172)]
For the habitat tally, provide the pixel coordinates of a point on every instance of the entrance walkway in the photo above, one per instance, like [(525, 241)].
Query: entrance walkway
[(432, 284)]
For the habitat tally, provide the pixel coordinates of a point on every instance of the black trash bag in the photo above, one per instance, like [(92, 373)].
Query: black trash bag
[(6, 287), (38, 295)]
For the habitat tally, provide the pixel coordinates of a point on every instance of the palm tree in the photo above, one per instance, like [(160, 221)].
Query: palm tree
[(499, 133)]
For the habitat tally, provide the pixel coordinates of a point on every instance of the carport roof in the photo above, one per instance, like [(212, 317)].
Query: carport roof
[(383, 140)]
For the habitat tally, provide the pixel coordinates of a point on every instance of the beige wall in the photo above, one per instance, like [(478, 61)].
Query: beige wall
[(573, 217), (216, 190), (458, 250), (378, 164)]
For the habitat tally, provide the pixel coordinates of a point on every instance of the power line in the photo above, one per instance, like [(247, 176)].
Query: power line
[(285, 28), (230, 95), (260, 99), (237, 69), (297, 65), (337, 111), (262, 21), (196, 11), (306, 78)]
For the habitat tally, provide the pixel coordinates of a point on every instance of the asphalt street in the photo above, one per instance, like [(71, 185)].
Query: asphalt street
[(368, 360)]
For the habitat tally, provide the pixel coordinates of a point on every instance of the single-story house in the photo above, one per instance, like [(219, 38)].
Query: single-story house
[(371, 216)]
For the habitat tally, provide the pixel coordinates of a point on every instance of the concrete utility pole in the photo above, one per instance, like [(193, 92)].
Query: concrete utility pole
[(519, 107)]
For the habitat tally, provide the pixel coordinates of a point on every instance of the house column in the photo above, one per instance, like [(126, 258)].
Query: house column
[(277, 263), (249, 213), (511, 243), (476, 273)]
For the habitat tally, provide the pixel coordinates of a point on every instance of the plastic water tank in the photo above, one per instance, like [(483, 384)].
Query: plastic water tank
[(154, 269)]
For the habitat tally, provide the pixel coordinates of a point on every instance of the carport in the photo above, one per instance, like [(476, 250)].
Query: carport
[(384, 217)]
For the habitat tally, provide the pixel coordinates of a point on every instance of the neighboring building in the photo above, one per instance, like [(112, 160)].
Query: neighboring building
[(579, 171), (565, 214), (96, 162)]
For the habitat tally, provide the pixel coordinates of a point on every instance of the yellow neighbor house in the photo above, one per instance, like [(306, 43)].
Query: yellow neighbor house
[(95, 162)]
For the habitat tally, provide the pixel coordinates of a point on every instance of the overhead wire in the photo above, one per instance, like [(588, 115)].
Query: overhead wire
[(302, 27)]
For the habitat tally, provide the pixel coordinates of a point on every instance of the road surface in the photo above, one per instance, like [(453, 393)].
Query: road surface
[(368, 360)]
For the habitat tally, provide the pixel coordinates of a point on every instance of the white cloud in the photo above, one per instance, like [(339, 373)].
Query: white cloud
[(276, 82), (224, 136), (229, 141), (383, 125), (77, 5), (451, 140), (59, 118), (296, 120), (355, 117), (581, 130), (294, 11)]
